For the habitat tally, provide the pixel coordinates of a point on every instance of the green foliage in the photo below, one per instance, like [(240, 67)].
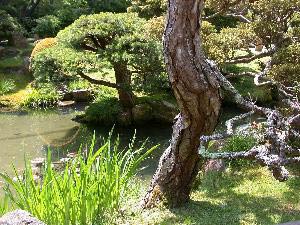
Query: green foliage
[(105, 111), (78, 84), (117, 6), (148, 8), (3, 206), (88, 191), (11, 62), (117, 38), (60, 63), (272, 18), (223, 46), (45, 96), (154, 28), (247, 88), (239, 143), (107, 27), (47, 26), (9, 26), (287, 65), (6, 86)]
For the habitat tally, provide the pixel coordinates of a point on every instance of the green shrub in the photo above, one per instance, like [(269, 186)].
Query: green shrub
[(78, 84), (239, 143), (223, 46), (45, 96), (9, 26), (47, 26), (7, 86), (89, 190), (60, 63), (287, 65), (105, 111)]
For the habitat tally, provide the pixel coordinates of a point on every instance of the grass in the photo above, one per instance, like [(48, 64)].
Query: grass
[(89, 191), (246, 197), (11, 62), (247, 88)]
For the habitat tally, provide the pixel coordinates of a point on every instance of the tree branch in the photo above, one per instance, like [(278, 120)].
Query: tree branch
[(99, 82), (248, 59)]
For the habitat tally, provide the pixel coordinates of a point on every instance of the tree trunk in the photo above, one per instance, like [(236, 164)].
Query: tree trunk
[(197, 92), (32, 5), (123, 78)]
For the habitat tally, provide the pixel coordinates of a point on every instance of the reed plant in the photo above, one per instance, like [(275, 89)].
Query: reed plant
[(88, 191)]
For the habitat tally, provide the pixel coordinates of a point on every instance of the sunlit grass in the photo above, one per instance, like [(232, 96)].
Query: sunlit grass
[(246, 197)]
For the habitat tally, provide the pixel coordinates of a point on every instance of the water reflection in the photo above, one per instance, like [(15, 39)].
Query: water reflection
[(33, 133)]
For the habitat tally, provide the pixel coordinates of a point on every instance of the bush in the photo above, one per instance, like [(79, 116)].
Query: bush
[(155, 28), (89, 190), (223, 46), (45, 96), (239, 143), (79, 84), (148, 8), (104, 111), (287, 65), (42, 45), (7, 86), (47, 26), (60, 63), (9, 26)]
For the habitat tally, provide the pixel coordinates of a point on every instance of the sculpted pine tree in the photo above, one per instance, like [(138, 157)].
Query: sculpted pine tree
[(196, 89)]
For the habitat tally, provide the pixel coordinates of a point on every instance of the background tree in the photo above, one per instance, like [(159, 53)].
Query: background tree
[(113, 40)]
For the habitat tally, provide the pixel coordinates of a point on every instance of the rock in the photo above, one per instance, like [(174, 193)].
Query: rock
[(26, 64), (67, 96), (19, 217), (291, 223), (164, 111), (83, 95), (19, 41), (142, 113), (65, 103), (38, 162)]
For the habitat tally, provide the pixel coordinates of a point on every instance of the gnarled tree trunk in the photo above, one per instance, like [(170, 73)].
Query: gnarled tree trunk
[(123, 79), (197, 92)]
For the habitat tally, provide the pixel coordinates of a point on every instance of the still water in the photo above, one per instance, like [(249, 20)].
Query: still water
[(31, 134)]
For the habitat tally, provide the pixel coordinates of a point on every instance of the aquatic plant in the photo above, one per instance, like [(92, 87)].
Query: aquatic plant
[(88, 191)]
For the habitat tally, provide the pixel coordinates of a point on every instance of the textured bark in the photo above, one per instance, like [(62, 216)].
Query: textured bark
[(123, 79), (196, 89)]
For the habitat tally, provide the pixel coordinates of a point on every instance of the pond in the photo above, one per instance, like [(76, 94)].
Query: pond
[(31, 134)]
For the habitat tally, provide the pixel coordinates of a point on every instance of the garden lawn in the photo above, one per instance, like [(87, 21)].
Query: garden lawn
[(246, 197)]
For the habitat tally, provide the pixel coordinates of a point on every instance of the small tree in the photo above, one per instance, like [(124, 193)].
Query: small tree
[(118, 40)]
